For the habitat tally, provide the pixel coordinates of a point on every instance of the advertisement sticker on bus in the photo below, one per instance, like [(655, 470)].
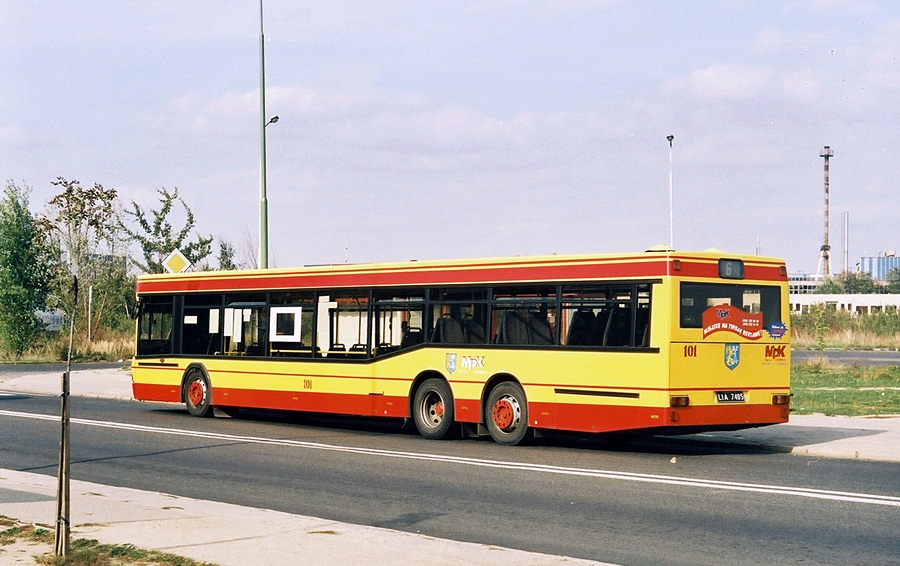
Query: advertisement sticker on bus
[(777, 330), (728, 318)]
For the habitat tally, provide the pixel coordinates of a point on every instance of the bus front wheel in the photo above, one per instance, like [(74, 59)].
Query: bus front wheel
[(507, 414), (433, 409), (197, 395)]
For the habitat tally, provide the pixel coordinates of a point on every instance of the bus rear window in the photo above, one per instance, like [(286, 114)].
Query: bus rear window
[(751, 299)]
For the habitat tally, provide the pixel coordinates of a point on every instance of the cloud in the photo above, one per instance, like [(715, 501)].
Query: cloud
[(801, 85), (730, 82)]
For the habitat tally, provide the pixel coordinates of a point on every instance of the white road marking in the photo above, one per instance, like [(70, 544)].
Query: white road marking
[(892, 501)]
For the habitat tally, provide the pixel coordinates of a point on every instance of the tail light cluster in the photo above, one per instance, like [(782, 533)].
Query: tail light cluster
[(781, 399), (680, 401)]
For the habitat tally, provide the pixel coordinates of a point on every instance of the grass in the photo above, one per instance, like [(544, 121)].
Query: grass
[(832, 389), (87, 552)]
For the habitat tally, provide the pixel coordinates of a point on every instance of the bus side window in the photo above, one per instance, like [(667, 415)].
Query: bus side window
[(155, 335), (411, 337), (581, 327), (448, 330), (472, 330), (618, 329)]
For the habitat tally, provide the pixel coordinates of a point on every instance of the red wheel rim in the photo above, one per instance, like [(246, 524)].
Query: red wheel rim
[(196, 393), (504, 414)]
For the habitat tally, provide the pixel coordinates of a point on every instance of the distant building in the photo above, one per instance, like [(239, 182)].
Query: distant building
[(855, 303), (53, 321), (803, 283), (878, 267)]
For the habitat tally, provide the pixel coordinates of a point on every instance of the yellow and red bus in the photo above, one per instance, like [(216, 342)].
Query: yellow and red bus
[(660, 341)]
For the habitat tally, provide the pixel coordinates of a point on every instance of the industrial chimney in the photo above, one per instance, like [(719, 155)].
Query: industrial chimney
[(824, 257)]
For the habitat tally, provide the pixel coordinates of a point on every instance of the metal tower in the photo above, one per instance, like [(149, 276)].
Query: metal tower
[(824, 258)]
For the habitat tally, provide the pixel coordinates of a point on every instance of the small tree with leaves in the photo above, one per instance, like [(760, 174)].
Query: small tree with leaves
[(26, 266), (158, 238), (86, 223), (226, 256)]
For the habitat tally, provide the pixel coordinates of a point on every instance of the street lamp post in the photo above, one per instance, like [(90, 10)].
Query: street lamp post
[(671, 198), (263, 201)]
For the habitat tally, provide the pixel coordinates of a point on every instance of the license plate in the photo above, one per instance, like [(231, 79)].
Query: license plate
[(730, 396)]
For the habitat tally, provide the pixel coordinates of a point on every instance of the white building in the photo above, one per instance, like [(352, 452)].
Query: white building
[(800, 303)]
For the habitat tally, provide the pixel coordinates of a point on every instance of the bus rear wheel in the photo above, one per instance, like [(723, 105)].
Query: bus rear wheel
[(197, 394), (433, 409), (507, 414)]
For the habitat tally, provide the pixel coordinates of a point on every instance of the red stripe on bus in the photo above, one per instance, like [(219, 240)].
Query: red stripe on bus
[(334, 403), (153, 392)]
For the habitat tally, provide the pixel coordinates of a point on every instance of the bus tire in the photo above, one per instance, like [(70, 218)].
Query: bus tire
[(506, 414), (433, 409), (197, 393)]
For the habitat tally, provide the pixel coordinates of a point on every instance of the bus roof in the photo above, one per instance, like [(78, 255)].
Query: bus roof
[(555, 268)]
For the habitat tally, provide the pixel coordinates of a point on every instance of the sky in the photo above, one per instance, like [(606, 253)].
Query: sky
[(457, 129)]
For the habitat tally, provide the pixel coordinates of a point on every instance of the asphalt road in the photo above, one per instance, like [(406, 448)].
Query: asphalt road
[(648, 503), (849, 357)]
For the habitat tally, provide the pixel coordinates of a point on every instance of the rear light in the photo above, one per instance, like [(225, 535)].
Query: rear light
[(680, 401), (781, 399)]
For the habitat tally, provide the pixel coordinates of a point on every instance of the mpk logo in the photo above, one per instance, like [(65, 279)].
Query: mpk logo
[(472, 362), (774, 353)]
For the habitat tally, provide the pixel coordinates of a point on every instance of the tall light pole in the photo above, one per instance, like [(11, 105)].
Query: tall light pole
[(670, 137), (263, 201)]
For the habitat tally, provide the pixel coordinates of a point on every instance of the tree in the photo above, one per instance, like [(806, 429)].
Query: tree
[(26, 271), (86, 223), (848, 282), (226, 255), (830, 287), (858, 283), (158, 238), (893, 281)]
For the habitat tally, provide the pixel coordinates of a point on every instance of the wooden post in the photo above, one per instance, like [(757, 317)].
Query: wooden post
[(63, 510)]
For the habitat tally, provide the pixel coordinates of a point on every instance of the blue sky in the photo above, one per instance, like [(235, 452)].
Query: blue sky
[(470, 128)]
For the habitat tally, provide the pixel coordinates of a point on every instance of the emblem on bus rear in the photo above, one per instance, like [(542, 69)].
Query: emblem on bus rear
[(451, 363), (732, 355)]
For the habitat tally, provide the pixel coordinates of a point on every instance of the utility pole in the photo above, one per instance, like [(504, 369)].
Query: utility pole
[(824, 258)]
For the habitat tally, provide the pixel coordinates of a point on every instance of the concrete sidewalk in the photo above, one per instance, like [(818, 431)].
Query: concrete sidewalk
[(228, 534)]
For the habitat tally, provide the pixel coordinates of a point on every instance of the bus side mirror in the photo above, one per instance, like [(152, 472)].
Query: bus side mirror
[(133, 308)]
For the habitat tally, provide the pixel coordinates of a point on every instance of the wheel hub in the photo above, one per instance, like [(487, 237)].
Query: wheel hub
[(196, 393), (434, 409), (506, 413)]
